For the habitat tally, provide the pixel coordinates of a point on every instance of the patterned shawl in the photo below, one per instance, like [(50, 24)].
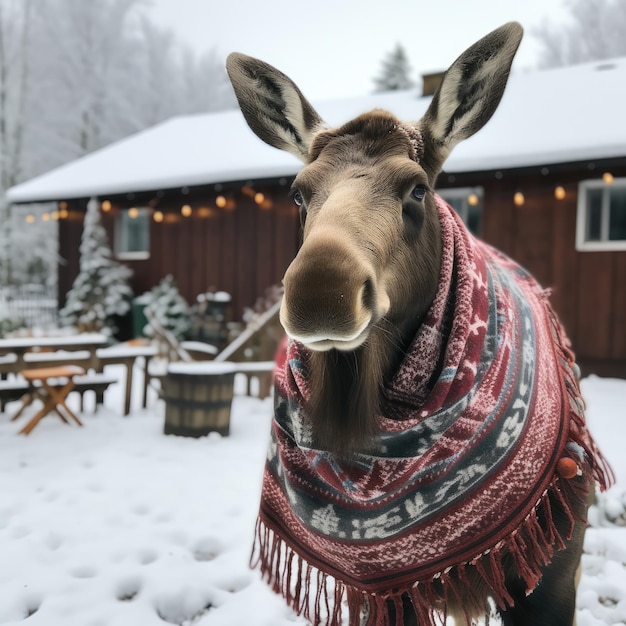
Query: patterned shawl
[(476, 419)]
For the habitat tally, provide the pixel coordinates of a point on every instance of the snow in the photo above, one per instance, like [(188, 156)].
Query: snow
[(42, 357), (44, 342), (13, 384), (203, 368), (199, 346), (125, 350), (219, 296), (255, 366), (550, 116), (116, 524)]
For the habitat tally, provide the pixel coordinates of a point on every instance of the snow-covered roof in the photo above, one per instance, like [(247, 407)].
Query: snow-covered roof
[(551, 116)]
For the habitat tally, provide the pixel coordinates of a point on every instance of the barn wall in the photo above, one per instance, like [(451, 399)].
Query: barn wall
[(588, 288), (245, 249), (242, 249), (70, 233)]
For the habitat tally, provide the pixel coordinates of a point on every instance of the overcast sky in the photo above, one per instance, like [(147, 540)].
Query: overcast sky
[(334, 48)]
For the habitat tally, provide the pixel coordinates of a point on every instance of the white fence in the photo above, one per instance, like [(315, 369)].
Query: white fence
[(33, 306)]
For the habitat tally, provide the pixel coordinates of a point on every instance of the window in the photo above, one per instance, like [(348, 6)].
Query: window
[(132, 234), (468, 203), (601, 219)]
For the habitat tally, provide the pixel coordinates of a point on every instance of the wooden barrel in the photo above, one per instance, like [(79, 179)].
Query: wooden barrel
[(198, 398)]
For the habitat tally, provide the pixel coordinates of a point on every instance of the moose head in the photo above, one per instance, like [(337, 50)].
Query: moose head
[(368, 267)]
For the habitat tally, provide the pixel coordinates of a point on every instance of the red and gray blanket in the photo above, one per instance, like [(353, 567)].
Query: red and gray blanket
[(476, 419)]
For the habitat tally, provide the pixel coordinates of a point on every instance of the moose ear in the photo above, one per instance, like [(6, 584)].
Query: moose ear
[(273, 106), (471, 90)]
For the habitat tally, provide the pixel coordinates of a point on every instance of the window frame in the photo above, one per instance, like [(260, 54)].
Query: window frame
[(137, 255), (605, 244)]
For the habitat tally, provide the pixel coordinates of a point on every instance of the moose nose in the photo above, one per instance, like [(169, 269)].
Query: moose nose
[(330, 296)]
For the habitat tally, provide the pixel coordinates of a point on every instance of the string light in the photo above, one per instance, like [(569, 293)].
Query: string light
[(185, 210), (30, 218), (473, 199), (106, 206), (63, 205), (133, 213), (158, 216), (54, 215), (607, 177), (220, 201), (518, 198), (259, 198), (45, 217), (63, 213), (559, 192)]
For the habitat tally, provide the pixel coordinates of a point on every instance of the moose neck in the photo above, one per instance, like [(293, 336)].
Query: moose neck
[(346, 388), (345, 395)]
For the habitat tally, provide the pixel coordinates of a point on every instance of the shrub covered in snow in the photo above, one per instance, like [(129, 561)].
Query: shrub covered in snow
[(101, 290), (9, 325), (169, 308)]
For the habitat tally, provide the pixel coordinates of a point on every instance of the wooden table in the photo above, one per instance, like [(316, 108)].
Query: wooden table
[(51, 385), (30, 352), (86, 350), (126, 354)]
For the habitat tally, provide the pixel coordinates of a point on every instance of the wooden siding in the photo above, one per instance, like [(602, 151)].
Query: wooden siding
[(70, 233), (588, 288), (245, 249), (242, 250)]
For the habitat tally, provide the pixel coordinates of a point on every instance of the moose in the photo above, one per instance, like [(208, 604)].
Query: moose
[(429, 454)]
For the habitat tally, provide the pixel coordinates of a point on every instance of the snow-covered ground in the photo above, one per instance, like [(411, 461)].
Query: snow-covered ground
[(115, 524)]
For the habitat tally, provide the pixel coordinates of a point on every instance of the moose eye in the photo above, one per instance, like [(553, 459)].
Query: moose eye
[(418, 193), (297, 198)]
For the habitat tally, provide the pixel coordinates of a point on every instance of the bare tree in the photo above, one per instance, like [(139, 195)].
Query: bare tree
[(76, 75), (14, 84), (595, 31)]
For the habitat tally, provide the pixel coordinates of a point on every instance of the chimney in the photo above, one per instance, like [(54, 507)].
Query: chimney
[(431, 82)]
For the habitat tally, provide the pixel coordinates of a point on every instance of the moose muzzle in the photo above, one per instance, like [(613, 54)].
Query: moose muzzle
[(331, 295)]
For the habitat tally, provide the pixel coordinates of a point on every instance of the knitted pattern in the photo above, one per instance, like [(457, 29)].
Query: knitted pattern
[(474, 422)]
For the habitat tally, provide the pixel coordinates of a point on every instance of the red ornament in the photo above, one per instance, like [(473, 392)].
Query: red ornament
[(567, 467)]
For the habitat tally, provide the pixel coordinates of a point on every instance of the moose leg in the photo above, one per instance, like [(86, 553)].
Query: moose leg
[(553, 602), (408, 614)]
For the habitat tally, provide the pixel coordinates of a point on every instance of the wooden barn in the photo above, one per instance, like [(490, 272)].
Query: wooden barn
[(200, 197)]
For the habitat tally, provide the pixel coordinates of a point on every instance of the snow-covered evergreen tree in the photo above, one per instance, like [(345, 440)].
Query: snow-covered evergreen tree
[(395, 73), (168, 307), (100, 291)]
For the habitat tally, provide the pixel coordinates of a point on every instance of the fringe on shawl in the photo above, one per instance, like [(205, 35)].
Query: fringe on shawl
[(600, 470), (322, 598)]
